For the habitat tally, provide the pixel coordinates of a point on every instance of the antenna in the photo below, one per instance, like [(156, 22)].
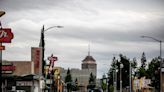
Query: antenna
[(89, 49)]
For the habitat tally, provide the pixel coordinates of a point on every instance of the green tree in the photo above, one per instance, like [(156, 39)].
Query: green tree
[(104, 83), (153, 72), (111, 88), (92, 82), (125, 70), (68, 81), (142, 70), (75, 85), (143, 60)]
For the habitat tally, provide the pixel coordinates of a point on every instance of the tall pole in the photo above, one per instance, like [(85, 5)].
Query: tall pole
[(161, 86), (1, 14), (161, 62), (115, 76), (120, 79), (130, 79), (121, 66), (42, 44), (1, 68)]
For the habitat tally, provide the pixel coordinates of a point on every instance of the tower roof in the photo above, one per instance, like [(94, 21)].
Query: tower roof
[(89, 59)]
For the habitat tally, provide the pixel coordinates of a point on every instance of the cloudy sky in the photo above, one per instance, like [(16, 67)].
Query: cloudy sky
[(110, 27)]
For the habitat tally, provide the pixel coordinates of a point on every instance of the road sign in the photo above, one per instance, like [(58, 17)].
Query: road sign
[(6, 35)]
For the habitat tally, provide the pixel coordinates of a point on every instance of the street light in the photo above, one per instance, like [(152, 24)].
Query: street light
[(42, 43), (115, 75), (160, 58), (2, 13), (130, 76), (121, 66), (104, 82)]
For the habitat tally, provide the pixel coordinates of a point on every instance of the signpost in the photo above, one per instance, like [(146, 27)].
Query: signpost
[(52, 60), (6, 35)]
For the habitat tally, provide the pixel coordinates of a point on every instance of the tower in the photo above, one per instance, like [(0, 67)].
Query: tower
[(89, 63)]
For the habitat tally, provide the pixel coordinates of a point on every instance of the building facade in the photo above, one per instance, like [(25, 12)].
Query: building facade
[(88, 66), (22, 75)]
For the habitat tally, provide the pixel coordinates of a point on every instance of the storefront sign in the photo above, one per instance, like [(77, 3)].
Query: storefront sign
[(6, 35), (48, 81), (7, 63), (52, 59), (36, 58), (8, 67), (24, 83)]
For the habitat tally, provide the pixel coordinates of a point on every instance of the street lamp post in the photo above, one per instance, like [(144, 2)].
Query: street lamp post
[(42, 44), (2, 13), (130, 77), (121, 66), (115, 79), (160, 58)]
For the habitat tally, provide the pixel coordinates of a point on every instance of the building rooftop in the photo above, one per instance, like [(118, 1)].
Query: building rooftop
[(89, 59)]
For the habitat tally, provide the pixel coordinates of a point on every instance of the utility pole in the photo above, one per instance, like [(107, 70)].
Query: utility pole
[(121, 66), (130, 77), (42, 44), (1, 14), (115, 75), (161, 62)]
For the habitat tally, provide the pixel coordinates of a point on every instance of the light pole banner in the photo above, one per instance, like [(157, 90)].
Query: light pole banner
[(36, 57)]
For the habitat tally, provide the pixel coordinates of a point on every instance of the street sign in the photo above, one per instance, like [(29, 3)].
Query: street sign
[(6, 35), (52, 60)]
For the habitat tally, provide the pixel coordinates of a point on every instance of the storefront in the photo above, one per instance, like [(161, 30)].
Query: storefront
[(26, 83), (17, 76)]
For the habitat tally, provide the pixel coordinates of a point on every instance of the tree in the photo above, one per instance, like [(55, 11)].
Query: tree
[(103, 86), (143, 60), (125, 70), (153, 72), (75, 85), (92, 79), (104, 83), (142, 70), (92, 82), (68, 81)]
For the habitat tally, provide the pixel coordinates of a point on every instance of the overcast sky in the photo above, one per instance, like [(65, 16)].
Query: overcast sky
[(110, 27)]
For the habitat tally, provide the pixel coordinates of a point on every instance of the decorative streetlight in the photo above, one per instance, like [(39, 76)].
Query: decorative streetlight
[(2, 13), (160, 58), (115, 75), (130, 77), (104, 83), (121, 66), (42, 43)]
